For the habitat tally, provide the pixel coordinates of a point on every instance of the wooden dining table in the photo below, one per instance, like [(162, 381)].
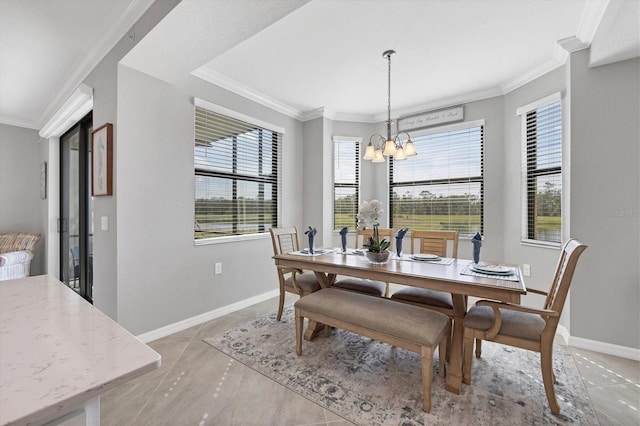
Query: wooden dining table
[(441, 277)]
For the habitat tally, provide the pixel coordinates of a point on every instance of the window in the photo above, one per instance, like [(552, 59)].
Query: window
[(346, 180), (441, 188), (236, 175), (542, 170)]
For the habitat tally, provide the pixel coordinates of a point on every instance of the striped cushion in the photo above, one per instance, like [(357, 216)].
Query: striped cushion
[(16, 241)]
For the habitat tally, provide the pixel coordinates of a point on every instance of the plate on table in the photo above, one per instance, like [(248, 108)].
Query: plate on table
[(315, 251), (425, 256), (493, 269)]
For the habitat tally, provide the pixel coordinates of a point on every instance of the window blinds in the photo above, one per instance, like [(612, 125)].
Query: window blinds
[(346, 175), (441, 188), (236, 176), (543, 166)]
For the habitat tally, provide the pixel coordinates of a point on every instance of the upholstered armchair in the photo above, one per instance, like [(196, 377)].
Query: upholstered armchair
[(16, 252)]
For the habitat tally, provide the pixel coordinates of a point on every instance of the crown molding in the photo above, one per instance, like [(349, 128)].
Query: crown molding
[(10, 121), (528, 77), (590, 21), (231, 85), (70, 112), (316, 113), (103, 46), (573, 44)]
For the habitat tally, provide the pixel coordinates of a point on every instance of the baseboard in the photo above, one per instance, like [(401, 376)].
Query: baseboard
[(605, 348), (564, 334), (207, 316)]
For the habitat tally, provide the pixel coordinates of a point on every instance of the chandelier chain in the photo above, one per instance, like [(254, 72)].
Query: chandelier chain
[(389, 88)]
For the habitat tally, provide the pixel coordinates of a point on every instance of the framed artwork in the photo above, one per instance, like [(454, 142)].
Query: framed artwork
[(43, 180), (102, 160)]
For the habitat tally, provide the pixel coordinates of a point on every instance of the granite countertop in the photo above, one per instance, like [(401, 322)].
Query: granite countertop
[(58, 351)]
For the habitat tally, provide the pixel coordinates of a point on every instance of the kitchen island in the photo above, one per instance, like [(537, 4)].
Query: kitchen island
[(58, 353)]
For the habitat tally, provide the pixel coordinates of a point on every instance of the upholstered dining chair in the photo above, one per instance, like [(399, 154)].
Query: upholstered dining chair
[(285, 240), (524, 327), (432, 242)]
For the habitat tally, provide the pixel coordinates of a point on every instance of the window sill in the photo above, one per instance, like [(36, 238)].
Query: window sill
[(231, 239), (541, 244)]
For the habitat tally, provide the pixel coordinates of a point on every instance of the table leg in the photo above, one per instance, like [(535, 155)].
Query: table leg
[(313, 329), (454, 373), (325, 280)]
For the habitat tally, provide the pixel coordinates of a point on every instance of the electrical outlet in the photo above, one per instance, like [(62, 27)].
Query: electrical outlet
[(526, 270), (218, 268)]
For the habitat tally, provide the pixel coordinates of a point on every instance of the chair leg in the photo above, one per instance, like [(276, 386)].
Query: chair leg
[(468, 359), (546, 361), (299, 326), (280, 305), (386, 290), (427, 377), (478, 348)]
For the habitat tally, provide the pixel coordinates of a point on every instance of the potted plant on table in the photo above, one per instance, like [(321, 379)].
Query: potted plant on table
[(369, 214)]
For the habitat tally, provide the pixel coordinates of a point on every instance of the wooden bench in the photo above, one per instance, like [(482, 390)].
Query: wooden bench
[(406, 326)]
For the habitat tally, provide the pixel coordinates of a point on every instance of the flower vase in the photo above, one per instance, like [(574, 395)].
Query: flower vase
[(378, 257)]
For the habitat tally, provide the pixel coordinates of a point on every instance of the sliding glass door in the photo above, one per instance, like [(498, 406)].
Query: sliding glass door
[(76, 208)]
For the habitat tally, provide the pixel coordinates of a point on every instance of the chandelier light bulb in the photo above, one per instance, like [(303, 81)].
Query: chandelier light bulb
[(389, 148), (369, 153), (378, 157), (409, 149), (400, 154)]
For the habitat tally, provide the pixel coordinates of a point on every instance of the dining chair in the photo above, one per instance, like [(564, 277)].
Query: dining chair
[(431, 242), (371, 287), (285, 240), (524, 327)]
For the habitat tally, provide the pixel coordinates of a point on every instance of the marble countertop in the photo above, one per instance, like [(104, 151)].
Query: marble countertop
[(57, 350)]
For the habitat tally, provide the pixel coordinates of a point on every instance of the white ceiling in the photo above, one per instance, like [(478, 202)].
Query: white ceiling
[(303, 57)]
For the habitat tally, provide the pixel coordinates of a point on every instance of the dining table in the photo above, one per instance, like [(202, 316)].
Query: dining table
[(454, 276)]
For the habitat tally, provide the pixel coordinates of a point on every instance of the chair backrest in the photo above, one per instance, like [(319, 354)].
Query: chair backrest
[(285, 239), (564, 273), (434, 242), (366, 233)]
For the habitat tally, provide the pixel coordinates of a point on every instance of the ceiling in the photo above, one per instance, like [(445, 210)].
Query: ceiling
[(309, 58)]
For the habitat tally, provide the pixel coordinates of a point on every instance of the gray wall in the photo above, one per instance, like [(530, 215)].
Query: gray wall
[(162, 276), (21, 209), (103, 80), (605, 199)]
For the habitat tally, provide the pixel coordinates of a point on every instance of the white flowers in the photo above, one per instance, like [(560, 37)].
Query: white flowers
[(369, 213)]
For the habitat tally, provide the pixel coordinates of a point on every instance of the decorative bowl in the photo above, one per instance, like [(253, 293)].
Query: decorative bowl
[(378, 258)]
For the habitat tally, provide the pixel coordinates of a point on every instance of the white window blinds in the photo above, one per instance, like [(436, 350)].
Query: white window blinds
[(346, 175), (441, 188), (542, 173), (236, 176)]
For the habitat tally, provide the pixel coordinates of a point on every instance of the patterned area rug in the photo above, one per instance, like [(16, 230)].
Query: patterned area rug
[(372, 383)]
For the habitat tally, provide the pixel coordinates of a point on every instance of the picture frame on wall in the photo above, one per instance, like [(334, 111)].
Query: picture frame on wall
[(102, 160)]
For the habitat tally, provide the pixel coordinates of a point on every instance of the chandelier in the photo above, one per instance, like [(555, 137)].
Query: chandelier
[(385, 147)]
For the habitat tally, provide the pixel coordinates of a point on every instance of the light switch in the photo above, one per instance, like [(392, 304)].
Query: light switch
[(104, 223), (526, 270)]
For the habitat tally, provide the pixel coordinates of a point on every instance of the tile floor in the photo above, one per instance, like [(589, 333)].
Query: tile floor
[(198, 385)]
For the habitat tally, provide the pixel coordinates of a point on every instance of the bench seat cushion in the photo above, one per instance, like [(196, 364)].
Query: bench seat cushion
[(403, 321)]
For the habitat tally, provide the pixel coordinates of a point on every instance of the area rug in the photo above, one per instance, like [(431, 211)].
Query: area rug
[(372, 383)]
